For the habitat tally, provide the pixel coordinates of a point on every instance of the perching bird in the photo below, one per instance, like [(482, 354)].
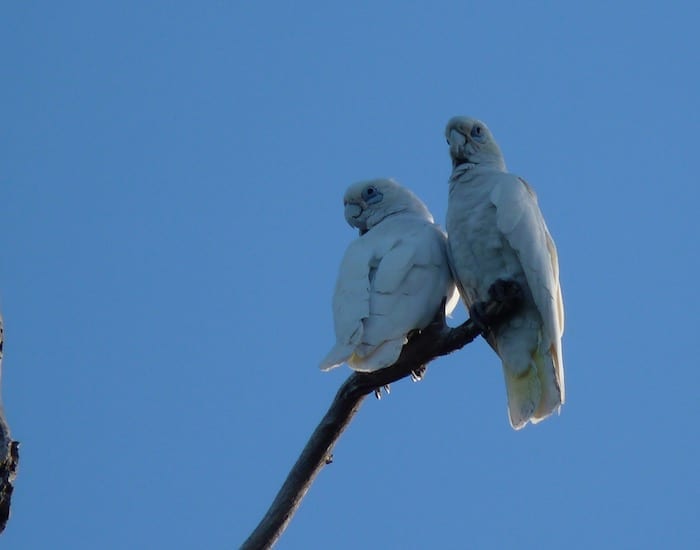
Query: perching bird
[(392, 279), (496, 232)]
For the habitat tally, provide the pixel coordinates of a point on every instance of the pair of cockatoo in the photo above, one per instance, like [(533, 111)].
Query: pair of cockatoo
[(394, 277)]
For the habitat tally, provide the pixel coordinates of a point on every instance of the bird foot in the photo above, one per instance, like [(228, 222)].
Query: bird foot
[(501, 290), (418, 374)]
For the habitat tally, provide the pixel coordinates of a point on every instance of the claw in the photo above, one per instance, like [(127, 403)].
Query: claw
[(378, 391), (418, 374)]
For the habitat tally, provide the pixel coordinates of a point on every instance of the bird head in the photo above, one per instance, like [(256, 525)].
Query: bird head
[(367, 203), (472, 144)]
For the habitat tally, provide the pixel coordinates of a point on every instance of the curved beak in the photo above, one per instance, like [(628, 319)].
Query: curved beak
[(457, 141), (353, 211)]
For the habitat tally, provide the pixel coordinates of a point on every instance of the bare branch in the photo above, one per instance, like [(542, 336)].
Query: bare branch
[(436, 340), (9, 457)]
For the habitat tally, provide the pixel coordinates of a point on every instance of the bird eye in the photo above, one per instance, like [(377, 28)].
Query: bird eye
[(371, 195), (478, 133)]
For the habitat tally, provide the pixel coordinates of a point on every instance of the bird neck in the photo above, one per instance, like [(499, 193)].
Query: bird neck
[(468, 170)]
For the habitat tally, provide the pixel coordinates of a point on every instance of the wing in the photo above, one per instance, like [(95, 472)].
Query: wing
[(390, 283), (519, 219), (350, 302), (410, 281)]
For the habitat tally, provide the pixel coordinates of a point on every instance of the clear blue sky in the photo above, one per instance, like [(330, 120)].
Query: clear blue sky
[(171, 177)]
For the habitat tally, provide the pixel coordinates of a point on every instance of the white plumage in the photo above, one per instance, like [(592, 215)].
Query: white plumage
[(392, 278), (496, 231)]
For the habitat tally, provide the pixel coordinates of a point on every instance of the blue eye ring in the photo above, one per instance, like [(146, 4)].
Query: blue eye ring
[(372, 195), (477, 132)]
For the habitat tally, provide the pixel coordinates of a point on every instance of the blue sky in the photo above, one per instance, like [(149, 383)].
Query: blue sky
[(171, 178)]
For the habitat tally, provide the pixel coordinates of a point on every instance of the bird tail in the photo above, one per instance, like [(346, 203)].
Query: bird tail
[(535, 393), (376, 357), (365, 357), (336, 357)]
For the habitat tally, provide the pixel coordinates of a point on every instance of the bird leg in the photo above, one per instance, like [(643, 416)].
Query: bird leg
[(437, 326)]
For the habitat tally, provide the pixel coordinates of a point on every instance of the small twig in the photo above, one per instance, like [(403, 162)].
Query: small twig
[(9, 457), (434, 341)]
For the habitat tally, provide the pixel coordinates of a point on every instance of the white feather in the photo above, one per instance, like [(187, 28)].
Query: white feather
[(391, 281), (496, 231)]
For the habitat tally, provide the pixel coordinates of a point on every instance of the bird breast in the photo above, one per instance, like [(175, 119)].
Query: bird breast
[(480, 253)]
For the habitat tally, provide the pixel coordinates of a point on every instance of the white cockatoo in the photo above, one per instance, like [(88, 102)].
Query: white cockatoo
[(496, 232), (392, 279)]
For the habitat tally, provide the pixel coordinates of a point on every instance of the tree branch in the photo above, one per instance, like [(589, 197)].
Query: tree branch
[(9, 458), (434, 341)]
